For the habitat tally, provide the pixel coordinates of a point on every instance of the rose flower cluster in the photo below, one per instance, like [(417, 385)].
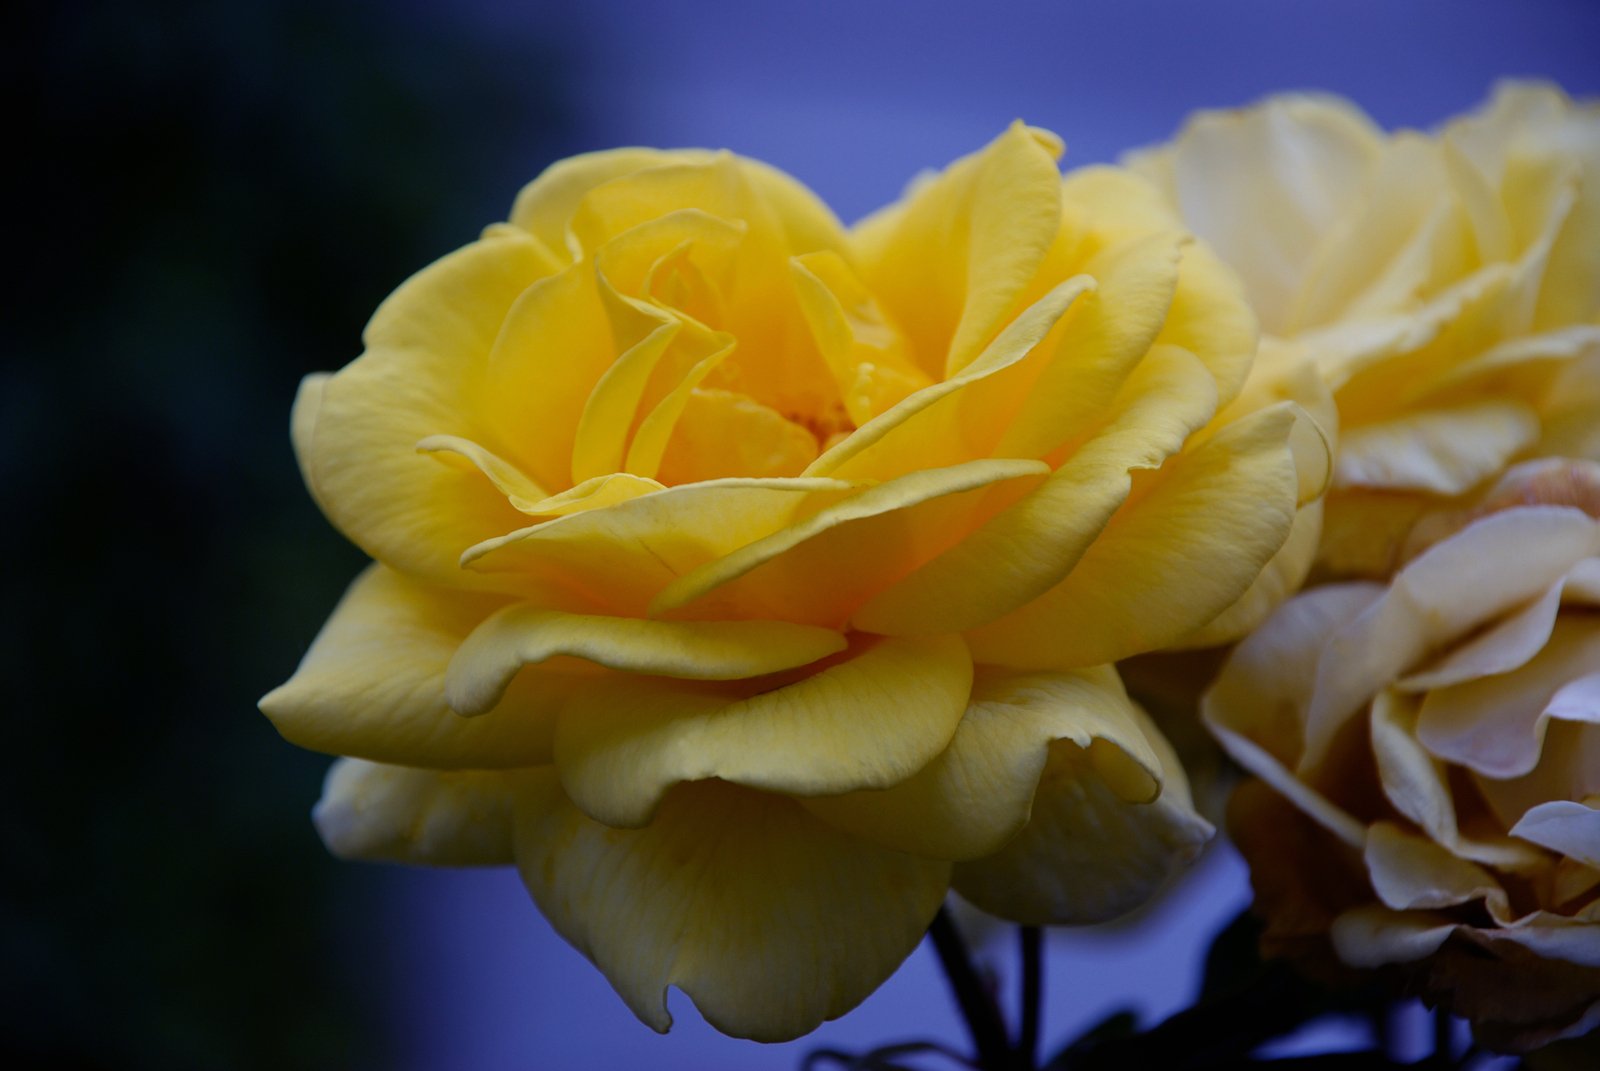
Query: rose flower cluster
[(749, 582)]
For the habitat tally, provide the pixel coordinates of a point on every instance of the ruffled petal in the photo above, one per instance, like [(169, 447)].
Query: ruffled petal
[(1031, 546), (428, 348), (868, 720), (1564, 826), (621, 556), (1409, 872), (822, 567), (373, 684), (1439, 451), (1427, 604), (1088, 853), (522, 635), (768, 919), (1183, 548), (954, 257), (977, 793), (1307, 160), (1496, 725)]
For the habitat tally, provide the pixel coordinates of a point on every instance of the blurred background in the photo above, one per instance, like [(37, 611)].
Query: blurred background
[(211, 199)]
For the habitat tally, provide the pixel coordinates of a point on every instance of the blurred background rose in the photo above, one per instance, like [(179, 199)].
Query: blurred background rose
[(212, 200)]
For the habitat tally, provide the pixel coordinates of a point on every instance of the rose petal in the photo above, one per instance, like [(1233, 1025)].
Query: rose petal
[(373, 684), (621, 556), (977, 793), (403, 815), (1034, 544), (1184, 547), (524, 635), (767, 918), (1409, 872), (951, 260), (1427, 604), (869, 720), (428, 348), (821, 568), (1564, 826), (1088, 854), (1441, 451), (1496, 725)]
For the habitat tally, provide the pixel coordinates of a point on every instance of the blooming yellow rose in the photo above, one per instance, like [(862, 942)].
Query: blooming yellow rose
[(1446, 287), (746, 583), (1442, 732)]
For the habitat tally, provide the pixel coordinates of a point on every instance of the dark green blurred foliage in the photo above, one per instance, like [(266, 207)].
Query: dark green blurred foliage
[(211, 199)]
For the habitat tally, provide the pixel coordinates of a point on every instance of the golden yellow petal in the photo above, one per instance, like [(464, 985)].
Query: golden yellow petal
[(769, 920), (868, 720)]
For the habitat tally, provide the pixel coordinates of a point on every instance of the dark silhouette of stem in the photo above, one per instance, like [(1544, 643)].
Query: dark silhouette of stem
[(977, 1006), (1032, 997)]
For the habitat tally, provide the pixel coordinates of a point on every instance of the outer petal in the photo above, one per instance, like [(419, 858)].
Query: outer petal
[(868, 721), (522, 635), (1440, 451), (978, 793), (768, 919), (428, 347), (1087, 853), (1170, 560), (546, 205), (373, 684), (1308, 158), (403, 815)]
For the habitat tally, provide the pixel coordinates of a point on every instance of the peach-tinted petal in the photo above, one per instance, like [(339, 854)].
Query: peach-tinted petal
[(1565, 826), (1409, 872), (1427, 605), (1496, 725)]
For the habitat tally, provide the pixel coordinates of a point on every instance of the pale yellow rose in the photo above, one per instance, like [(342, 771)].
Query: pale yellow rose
[(1442, 735), (1446, 286), (747, 583)]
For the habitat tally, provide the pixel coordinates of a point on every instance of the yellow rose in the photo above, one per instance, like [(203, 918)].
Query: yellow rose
[(1442, 735), (747, 583), (1446, 287)]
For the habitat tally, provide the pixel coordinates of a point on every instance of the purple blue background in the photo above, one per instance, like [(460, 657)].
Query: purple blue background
[(210, 199)]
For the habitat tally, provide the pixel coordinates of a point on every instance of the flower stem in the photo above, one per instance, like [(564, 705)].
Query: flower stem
[(977, 1005), (1032, 993)]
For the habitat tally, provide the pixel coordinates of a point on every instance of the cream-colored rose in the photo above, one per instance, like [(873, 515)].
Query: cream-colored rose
[(1446, 286), (748, 584), (1442, 732)]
